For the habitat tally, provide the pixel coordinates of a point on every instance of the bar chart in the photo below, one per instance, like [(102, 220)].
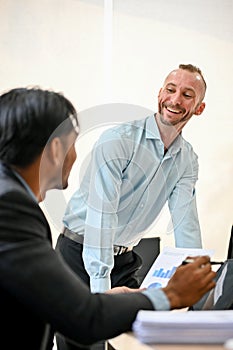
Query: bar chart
[(166, 264), (162, 273)]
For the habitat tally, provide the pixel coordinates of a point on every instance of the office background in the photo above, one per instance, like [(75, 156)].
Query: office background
[(110, 59)]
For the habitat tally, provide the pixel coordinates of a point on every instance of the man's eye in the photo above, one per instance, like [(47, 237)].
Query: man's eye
[(188, 95), (170, 90)]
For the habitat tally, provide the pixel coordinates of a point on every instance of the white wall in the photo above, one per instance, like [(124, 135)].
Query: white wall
[(60, 44)]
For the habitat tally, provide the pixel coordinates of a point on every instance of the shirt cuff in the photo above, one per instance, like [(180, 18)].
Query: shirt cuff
[(100, 285), (158, 299)]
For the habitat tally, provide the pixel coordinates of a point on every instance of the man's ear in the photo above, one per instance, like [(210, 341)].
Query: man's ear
[(55, 150), (159, 92), (200, 108)]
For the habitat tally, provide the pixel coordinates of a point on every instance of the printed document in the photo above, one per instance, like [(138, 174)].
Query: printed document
[(166, 264)]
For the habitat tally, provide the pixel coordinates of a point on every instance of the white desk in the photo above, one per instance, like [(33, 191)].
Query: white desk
[(127, 341)]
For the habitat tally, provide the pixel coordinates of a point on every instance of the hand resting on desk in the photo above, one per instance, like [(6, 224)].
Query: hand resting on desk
[(123, 289)]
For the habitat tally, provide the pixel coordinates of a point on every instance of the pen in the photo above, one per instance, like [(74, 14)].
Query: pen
[(188, 261)]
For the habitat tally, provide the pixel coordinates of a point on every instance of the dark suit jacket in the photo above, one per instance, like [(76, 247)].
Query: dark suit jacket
[(38, 288)]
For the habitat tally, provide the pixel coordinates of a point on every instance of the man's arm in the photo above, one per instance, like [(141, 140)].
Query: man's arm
[(183, 209), (108, 161)]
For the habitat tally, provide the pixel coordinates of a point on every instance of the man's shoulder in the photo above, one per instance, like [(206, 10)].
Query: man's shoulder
[(13, 192), (188, 148), (11, 189), (8, 181), (18, 206)]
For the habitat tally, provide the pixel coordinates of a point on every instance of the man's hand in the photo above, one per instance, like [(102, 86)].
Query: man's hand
[(118, 290), (190, 282)]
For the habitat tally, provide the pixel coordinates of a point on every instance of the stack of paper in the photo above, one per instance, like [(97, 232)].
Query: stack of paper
[(200, 327)]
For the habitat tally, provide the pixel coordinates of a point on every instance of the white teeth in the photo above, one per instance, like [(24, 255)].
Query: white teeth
[(173, 110)]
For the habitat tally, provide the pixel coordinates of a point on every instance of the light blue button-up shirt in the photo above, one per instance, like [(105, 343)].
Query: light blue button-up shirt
[(127, 183)]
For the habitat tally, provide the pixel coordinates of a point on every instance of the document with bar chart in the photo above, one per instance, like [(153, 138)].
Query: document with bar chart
[(166, 264)]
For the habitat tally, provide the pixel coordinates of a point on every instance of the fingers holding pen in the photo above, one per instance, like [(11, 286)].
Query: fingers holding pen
[(202, 274), (189, 260), (200, 270), (190, 282)]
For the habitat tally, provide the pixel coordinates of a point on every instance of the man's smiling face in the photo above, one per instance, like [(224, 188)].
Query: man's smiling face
[(180, 97)]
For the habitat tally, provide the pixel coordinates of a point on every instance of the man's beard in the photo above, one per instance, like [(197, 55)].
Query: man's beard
[(185, 117)]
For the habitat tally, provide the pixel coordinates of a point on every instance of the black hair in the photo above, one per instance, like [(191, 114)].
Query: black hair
[(28, 118)]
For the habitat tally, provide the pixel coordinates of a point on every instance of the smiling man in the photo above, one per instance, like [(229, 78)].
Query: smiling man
[(135, 169), (179, 99)]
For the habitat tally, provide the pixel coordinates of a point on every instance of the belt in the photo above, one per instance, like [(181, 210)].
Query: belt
[(117, 249), (72, 235)]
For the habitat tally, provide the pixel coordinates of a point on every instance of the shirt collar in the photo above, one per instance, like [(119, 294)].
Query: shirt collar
[(152, 132)]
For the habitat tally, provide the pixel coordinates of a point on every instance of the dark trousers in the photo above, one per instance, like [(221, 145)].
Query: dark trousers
[(123, 274)]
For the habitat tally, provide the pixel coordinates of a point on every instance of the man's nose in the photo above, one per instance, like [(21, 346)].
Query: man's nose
[(176, 99)]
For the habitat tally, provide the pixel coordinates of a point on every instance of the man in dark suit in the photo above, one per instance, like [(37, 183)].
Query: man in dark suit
[(39, 292)]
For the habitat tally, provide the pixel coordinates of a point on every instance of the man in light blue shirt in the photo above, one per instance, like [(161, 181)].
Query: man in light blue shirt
[(134, 170)]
